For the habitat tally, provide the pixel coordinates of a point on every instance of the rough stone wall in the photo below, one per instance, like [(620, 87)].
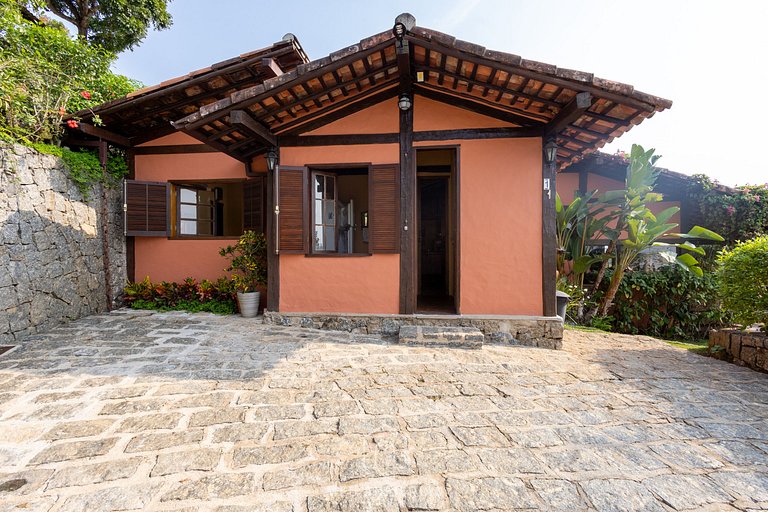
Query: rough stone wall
[(744, 348), (51, 267)]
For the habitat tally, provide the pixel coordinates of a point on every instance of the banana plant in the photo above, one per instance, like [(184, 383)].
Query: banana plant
[(644, 228)]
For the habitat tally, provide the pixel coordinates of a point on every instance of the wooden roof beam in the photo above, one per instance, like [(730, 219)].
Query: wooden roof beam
[(103, 134), (242, 118), (568, 114)]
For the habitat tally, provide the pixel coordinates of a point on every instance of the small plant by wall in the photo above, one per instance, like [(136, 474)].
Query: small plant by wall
[(84, 167), (211, 296)]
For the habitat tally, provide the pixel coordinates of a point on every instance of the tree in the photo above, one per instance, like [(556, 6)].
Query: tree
[(642, 228), (115, 25)]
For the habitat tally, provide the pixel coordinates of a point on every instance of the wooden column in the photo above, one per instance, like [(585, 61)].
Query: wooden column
[(273, 259), (549, 238), (408, 268), (583, 181), (130, 241)]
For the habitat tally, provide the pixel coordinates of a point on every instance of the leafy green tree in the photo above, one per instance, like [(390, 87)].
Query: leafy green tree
[(45, 74), (115, 25)]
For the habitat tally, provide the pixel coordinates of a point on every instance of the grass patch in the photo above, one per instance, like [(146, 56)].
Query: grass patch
[(584, 328), (698, 347)]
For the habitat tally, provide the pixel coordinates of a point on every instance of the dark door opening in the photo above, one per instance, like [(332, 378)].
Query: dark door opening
[(436, 232)]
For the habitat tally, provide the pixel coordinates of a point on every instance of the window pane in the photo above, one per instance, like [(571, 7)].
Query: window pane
[(188, 195), (188, 227), (330, 239), (319, 187), (188, 211), (330, 187), (318, 218), (205, 228), (205, 196), (319, 245), (329, 213), (204, 213)]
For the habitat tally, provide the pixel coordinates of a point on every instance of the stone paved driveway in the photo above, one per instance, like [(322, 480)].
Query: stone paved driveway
[(195, 412)]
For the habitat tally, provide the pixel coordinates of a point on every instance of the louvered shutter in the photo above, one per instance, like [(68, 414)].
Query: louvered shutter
[(293, 213), (253, 205), (384, 206), (146, 208)]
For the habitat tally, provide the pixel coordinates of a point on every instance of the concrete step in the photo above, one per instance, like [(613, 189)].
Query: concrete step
[(466, 337)]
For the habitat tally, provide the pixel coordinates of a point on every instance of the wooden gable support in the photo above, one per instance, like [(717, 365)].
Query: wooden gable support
[(101, 133), (568, 114), (242, 118), (270, 65)]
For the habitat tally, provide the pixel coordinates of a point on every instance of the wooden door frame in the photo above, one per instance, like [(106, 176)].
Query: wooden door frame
[(455, 210)]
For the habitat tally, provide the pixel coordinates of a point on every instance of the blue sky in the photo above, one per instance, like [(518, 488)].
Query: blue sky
[(695, 53)]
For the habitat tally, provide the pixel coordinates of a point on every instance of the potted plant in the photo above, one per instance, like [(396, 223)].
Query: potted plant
[(248, 259)]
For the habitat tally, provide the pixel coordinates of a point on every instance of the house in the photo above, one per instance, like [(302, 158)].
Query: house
[(408, 173)]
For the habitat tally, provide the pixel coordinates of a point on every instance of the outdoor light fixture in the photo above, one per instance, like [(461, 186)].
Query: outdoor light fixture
[(272, 159), (399, 30), (404, 103), (550, 151)]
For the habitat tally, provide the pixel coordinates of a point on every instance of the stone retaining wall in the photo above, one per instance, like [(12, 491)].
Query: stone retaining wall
[(544, 332), (743, 347), (51, 267)]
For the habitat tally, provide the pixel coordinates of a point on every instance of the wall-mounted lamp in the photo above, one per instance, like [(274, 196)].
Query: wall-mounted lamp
[(404, 103), (364, 219), (550, 151), (272, 159)]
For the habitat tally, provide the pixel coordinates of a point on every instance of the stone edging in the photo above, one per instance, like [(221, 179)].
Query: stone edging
[(743, 347)]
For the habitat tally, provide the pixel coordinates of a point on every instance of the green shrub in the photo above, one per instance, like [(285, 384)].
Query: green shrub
[(742, 280), (669, 303), (212, 296)]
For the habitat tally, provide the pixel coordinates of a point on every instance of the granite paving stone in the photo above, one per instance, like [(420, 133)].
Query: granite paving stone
[(172, 412)]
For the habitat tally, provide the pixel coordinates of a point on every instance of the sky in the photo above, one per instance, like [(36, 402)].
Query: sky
[(706, 56)]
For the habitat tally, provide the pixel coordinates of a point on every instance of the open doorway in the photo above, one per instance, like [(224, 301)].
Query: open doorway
[(437, 225)]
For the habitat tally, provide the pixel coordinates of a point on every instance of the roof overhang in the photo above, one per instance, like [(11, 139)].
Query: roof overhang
[(580, 111)]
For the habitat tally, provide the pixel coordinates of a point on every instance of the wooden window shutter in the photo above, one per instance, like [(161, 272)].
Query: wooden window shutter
[(384, 206), (253, 204), (293, 210), (146, 208)]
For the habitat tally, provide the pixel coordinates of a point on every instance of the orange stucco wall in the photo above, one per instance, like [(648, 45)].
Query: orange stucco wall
[(567, 185), (174, 260), (365, 284), (500, 220), (500, 210), (500, 227)]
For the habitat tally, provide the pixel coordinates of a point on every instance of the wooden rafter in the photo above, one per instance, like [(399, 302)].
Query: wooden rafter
[(242, 118)]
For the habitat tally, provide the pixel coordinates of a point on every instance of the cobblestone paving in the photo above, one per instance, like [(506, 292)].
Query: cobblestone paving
[(196, 412)]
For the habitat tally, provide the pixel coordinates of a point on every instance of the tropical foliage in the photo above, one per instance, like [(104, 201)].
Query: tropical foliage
[(737, 214), (45, 74), (670, 303), (190, 295), (743, 281)]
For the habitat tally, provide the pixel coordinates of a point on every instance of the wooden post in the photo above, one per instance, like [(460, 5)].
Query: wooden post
[(408, 269), (103, 153), (549, 238)]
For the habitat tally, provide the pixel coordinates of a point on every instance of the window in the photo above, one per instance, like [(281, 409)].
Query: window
[(201, 210), (218, 209), (338, 198)]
